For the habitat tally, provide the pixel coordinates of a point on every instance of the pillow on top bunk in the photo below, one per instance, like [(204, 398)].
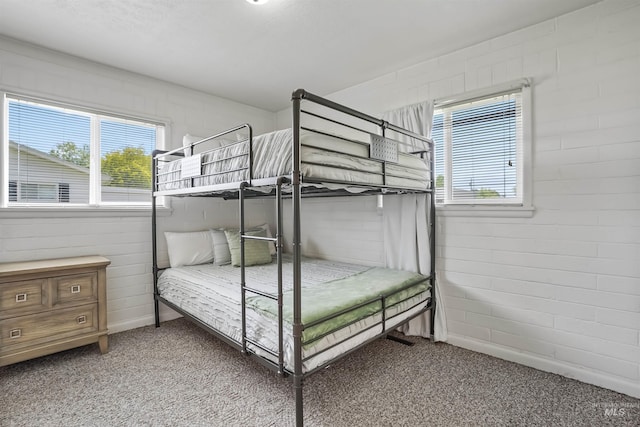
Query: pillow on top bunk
[(187, 140), (189, 248), (255, 251)]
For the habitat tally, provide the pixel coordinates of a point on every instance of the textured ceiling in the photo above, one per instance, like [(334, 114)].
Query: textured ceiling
[(259, 54)]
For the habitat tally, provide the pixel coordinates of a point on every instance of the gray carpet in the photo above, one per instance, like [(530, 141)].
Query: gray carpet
[(178, 375)]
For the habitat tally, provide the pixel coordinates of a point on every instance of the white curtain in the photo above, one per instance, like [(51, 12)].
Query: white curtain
[(406, 220), (416, 118)]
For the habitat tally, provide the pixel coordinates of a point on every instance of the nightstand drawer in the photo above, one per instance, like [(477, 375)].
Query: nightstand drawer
[(47, 326), (75, 288), (23, 296)]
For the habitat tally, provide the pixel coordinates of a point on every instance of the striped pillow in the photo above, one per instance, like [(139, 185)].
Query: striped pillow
[(255, 251)]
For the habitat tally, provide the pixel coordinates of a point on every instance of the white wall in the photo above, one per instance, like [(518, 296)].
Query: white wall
[(122, 236), (559, 291), (341, 228)]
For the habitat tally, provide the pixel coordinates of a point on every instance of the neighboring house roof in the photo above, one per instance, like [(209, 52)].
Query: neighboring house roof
[(53, 159)]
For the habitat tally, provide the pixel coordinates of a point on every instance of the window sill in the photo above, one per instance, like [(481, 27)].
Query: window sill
[(81, 211), (500, 211)]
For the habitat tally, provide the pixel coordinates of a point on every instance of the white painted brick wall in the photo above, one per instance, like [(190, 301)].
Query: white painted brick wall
[(123, 238), (347, 229), (558, 291)]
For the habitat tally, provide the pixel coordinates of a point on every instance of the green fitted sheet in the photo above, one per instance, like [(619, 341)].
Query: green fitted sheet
[(332, 297)]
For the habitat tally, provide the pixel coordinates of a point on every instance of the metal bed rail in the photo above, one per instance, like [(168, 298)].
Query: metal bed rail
[(378, 300), (161, 157), (169, 182)]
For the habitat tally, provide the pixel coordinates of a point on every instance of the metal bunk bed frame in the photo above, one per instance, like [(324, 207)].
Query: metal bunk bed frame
[(294, 181)]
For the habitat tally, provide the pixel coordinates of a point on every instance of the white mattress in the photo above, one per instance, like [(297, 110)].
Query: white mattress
[(212, 294), (347, 162)]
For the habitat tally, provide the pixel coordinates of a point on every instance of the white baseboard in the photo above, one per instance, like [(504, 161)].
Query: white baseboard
[(142, 321), (553, 366), (130, 324)]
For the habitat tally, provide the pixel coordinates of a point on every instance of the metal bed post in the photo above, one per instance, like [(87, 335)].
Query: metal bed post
[(297, 276), (250, 154), (243, 291), (279, 248), (432, 228), (383, 127), (154, 243)]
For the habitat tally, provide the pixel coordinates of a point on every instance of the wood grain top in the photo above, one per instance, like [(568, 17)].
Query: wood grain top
[(51, 265)]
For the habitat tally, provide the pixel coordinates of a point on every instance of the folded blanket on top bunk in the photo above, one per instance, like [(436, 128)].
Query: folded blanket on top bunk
[(323, 157), (329, 290)]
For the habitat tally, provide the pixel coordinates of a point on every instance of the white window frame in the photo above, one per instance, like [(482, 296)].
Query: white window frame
[(95, 206), (525, 207)]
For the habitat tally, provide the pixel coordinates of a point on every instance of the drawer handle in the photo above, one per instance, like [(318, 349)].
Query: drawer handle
[(75, 289), (21, 297), (15, 333), (81, 319)]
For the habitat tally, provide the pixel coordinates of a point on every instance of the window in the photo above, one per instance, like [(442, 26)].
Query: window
[(62, 155), (63, 192), (482, 149), (38, 192), (13, 191), (31, 192)]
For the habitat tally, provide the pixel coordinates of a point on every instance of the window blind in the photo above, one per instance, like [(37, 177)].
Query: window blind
[(479, 150), (126, 148), (58, 154), (47, 146)]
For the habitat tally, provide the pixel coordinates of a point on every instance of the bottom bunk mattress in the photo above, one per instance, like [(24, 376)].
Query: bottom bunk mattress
[(343, 305)]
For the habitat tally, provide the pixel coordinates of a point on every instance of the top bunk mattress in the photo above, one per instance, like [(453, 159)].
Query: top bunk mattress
[(324, 158)]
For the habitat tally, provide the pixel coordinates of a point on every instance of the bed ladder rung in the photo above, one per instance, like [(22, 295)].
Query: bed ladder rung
[(262, 293), (268, 239), (261, 347)]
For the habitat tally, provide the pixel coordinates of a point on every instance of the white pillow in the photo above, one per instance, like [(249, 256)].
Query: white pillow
[(189, 248), (221, 253), (187, 140)]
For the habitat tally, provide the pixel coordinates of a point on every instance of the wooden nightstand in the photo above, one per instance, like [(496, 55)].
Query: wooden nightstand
[(52, 305)]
